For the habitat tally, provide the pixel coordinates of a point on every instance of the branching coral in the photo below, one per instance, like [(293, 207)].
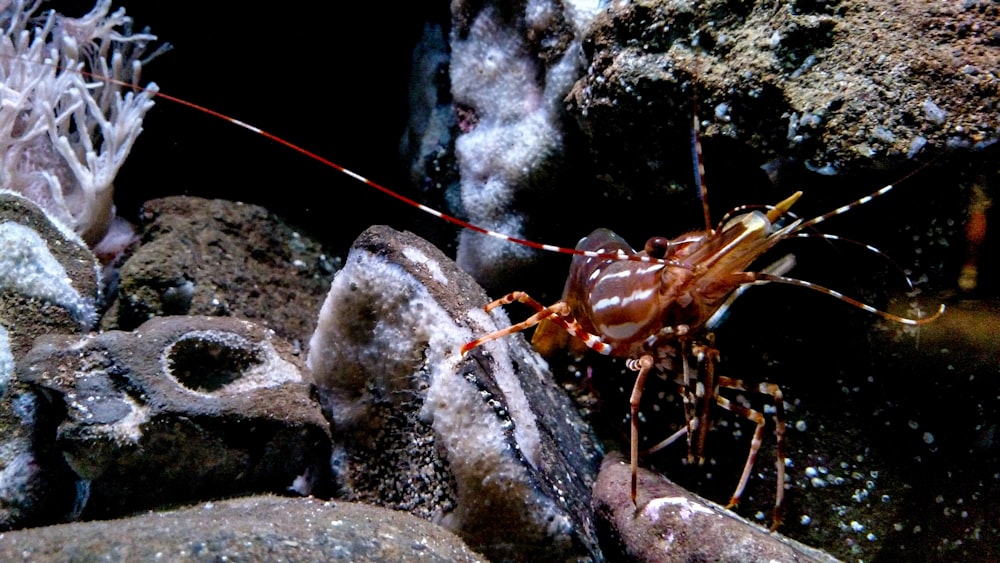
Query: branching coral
[(64, 132)]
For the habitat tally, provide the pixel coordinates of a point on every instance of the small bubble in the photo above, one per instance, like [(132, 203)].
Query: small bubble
[(928, 438), (811, 472), (817, 482), (759, 515), (886, 498), (857, 526), (805, 520), (800, 425), (913, 424), (939, 499)]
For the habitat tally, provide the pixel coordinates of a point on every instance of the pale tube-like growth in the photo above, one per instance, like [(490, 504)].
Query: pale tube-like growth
[(65, 131)]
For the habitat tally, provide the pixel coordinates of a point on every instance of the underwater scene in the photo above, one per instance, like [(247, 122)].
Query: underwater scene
[(648, 280)]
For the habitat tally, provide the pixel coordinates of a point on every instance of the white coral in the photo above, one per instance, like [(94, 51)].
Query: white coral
[(64, 131)]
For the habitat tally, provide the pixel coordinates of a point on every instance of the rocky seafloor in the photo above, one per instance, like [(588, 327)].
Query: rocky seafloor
[(201, 382)]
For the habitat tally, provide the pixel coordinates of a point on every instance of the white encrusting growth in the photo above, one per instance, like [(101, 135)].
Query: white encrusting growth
[(28, 267), (516, 98), (415, 344), (688, 508), (417, 256)]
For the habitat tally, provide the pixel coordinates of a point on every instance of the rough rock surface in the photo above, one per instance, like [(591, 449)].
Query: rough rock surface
[(485, 444), (221, 258), (893, 435), (672, 524), (245, 529), (49, 283), (852, 87), (841, 86), (6, 359), (184, 408), (37, 487), (788, 93)]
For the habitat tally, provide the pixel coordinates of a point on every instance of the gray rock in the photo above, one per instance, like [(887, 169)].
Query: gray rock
[(48, 284), (184, 408), (843, 86), (788, 94), (37, 487), (668, 523), (221, 258), (486, 444), (245, 529)]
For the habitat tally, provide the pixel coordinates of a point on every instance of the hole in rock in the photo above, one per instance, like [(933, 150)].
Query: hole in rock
[(207, 361)]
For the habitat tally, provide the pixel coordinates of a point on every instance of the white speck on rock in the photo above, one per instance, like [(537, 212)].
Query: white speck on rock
[(686, 509), (28, 267), (933, 112), (6, 361), (417, 256)]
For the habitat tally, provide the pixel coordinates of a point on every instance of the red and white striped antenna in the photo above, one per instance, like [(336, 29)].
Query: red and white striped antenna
[(752, 277)]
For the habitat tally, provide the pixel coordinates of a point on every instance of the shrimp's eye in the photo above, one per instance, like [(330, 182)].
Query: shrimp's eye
[(656, 247)]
